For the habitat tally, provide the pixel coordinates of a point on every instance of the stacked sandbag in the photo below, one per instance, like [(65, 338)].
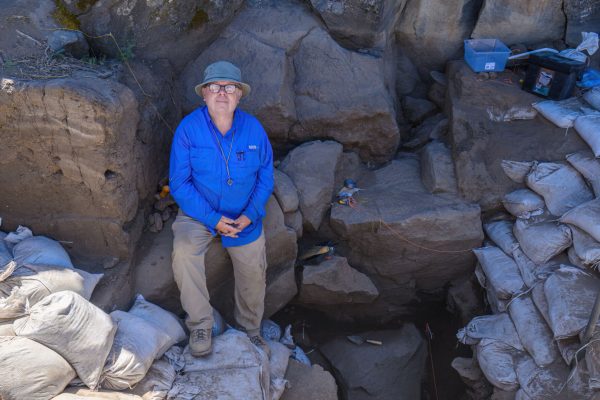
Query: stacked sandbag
[(535, 269)]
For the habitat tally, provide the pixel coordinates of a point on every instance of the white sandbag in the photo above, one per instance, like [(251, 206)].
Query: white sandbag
[(586, 217), (157, 382), (550, 382), (501, 233), (561, 186), (522, 395), (496, 362), (563, 113), (7, 270), (497, 326), (73, 327), (592, 361), (6, 328), (496, 305), (234, 370), (568, 348), (535, 335), (538, 296), (40, 250), (30, 371), (574, 258), (500, 270), (516, 170), (592, 97), (135, 346), (523, 203), (161, 319), (31, 283), (280, 357), (541, 240), (588, 127), (570, 293), (78, 393), (585, 248), (527, 268), (587, 166)]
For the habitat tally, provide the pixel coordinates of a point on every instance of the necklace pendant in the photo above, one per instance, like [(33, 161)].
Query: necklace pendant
[(230, 181)]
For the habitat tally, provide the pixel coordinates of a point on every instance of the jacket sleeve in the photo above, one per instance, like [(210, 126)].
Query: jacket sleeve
[(264, 182), (191, 201)]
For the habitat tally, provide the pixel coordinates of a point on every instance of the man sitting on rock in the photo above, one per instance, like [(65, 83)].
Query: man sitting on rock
[(221, 175)]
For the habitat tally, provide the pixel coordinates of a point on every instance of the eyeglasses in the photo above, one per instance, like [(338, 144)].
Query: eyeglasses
[(216, 88)]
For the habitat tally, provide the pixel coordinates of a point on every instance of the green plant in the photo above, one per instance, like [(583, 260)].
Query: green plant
[(64, 17)]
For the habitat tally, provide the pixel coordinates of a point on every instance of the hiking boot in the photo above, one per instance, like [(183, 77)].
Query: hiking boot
[(200, 342), (259, 342)]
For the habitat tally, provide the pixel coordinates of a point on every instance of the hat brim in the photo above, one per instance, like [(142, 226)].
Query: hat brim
[(245, 87)]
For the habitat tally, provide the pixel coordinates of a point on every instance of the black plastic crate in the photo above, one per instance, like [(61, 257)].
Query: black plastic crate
[(552, 76)]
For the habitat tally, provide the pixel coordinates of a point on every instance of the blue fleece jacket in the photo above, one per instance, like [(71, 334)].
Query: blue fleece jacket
[(198, 177)]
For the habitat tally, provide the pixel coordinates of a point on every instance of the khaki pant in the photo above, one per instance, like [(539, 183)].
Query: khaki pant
[(190, 243)]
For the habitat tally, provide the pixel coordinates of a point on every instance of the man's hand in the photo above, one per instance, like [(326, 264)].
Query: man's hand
[(227, 227), (242, 222)]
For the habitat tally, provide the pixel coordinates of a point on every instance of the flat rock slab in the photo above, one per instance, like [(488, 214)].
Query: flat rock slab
[(309, 382), (404, 237), (312, 168), (392, 371), (490, 121), (335, 282)]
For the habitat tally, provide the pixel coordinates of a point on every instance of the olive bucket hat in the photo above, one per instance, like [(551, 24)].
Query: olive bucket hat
[(223, 71)]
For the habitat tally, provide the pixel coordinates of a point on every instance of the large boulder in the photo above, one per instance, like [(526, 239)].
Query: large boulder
[(358, 24), (342, 95), (521, 21), (333, 281), (428, 37), (281, 289), (312, 168), (309, 382), (407, 240), (148, 29), (285, 192), (72, 144), (490, 121), (392, 371), (258, 41)]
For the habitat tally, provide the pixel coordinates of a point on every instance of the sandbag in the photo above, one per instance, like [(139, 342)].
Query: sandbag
[(5, 252), (550, 382), (497, 326), (18, 235), (561, 186), (592, 360), (30, 371), (523, 203), (234, 370), (516, 170), (527, 268), (7, 270), (6, 328), (40, 250), (496, 362), (574, 258), (538, 296), (586, 248), (161, 319), (570, 293), (280, 357), (541, 240), (496, 305), (73, 327), (501, 233), (563, 113), (568, 348), (31, 283), (501, 271), (157, 382), (78, 393), (587, 166), (535, 335), (592, 97), (135, 346), (588, 127), (586, 217)]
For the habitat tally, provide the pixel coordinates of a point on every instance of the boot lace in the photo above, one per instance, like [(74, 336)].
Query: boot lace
[(199, 335)]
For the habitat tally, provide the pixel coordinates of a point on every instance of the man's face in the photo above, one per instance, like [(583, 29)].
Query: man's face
[(221, 102)]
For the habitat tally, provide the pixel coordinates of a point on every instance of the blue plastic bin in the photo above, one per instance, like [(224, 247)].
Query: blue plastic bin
[(486, 55)]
